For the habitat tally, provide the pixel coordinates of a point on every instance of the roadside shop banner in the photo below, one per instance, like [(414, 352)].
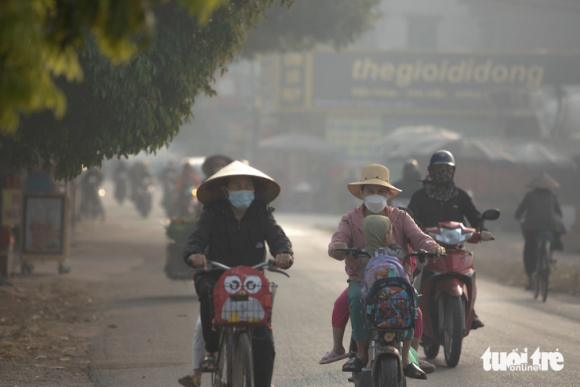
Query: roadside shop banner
[(422, 81)]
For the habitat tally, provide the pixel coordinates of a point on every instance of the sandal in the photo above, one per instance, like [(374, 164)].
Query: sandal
[(210, 364), (353, 365), (426, 367), (332, 356), (414, 372), (189, 381)]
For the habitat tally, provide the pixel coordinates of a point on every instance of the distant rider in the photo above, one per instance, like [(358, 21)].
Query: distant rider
[(542, 213), (409, 184)]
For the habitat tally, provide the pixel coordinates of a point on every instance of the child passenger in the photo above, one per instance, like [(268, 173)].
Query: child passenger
[(379, 242)]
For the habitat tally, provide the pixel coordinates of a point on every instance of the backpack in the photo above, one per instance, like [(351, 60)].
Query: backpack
[(389, 300), (242, 296), (378, 267)]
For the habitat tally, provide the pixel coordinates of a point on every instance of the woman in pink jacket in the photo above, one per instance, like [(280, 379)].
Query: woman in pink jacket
[(374, 189)]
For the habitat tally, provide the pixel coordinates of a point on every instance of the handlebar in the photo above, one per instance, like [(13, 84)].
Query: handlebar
[(422, 254), (355, 252), (269, 265)]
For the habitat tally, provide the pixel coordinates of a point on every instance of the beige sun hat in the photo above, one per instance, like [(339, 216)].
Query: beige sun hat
[(544, 181), (374, 174), (210, 189)]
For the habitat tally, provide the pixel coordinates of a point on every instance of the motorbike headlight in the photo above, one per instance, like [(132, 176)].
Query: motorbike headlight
[(101, 192), (389, 336), (450, 237), (194, 192)]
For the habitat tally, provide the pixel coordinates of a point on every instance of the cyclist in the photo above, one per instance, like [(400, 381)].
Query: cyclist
[(440, 200), (234, 226), (542, 213)]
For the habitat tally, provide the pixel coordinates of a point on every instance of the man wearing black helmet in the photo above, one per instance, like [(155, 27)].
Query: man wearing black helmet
[(440, 200)]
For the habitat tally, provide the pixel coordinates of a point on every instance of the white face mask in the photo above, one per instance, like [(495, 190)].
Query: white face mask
[(375, 203)]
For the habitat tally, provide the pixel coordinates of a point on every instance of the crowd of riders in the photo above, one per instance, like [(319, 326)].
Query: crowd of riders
[(236, 224)]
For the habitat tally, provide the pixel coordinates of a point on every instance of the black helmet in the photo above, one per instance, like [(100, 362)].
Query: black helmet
[(442, 157)]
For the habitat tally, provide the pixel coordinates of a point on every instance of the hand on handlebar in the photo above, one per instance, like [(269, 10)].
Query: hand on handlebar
[(198, 261), (485, 236), (284, 260), (439, 250), (339, 254)]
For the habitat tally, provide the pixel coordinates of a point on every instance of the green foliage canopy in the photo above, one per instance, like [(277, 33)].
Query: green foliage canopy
[(139, 77), (39, 40), (137, 105)]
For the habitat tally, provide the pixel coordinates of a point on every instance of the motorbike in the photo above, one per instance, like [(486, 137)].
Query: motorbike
[(386, 356), (169, 195), (187, 204), (144, 196), (121, 187), (448, 290), (91, 207)]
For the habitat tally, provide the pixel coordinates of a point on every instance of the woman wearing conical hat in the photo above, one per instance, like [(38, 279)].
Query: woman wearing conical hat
[(374, 190), (234, 228), (541, 211)]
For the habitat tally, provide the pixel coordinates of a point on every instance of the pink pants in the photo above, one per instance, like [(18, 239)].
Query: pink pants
[(341, 314)]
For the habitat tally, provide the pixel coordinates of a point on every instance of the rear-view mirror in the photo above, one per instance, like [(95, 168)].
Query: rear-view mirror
[(491, 215)]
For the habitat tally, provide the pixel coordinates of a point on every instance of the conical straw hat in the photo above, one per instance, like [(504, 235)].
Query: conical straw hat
[(544, 181), (374, 174), (210, 189)]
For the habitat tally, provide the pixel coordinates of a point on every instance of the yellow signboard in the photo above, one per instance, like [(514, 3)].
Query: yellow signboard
[(11, 207)]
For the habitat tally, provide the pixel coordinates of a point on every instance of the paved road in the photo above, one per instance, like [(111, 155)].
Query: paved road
[(145, 336)]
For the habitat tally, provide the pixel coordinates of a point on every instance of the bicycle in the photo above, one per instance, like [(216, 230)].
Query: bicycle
[(239, 306), (543, 264)]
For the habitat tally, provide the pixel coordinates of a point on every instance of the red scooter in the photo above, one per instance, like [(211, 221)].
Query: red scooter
[(448, 290)]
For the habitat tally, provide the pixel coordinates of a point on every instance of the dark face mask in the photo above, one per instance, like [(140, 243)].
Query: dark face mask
[(441, 187), (440, 175)]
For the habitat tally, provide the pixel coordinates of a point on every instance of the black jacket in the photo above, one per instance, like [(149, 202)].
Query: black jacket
[(222, 238), (542, 211), (428, 212)]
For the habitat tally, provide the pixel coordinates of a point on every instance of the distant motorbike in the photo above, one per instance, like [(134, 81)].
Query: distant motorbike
[(121, 187), (187, 205), (91, 207), (448, 290), (169, 195), (144, 196)]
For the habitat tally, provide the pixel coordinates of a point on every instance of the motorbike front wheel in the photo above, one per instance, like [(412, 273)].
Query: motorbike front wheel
[(387, 374), (454, 327)]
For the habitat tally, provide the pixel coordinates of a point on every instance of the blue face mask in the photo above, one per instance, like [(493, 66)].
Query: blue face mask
[(241, 199)]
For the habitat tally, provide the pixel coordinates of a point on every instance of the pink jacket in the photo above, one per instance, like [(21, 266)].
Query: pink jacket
[(405, 233)]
